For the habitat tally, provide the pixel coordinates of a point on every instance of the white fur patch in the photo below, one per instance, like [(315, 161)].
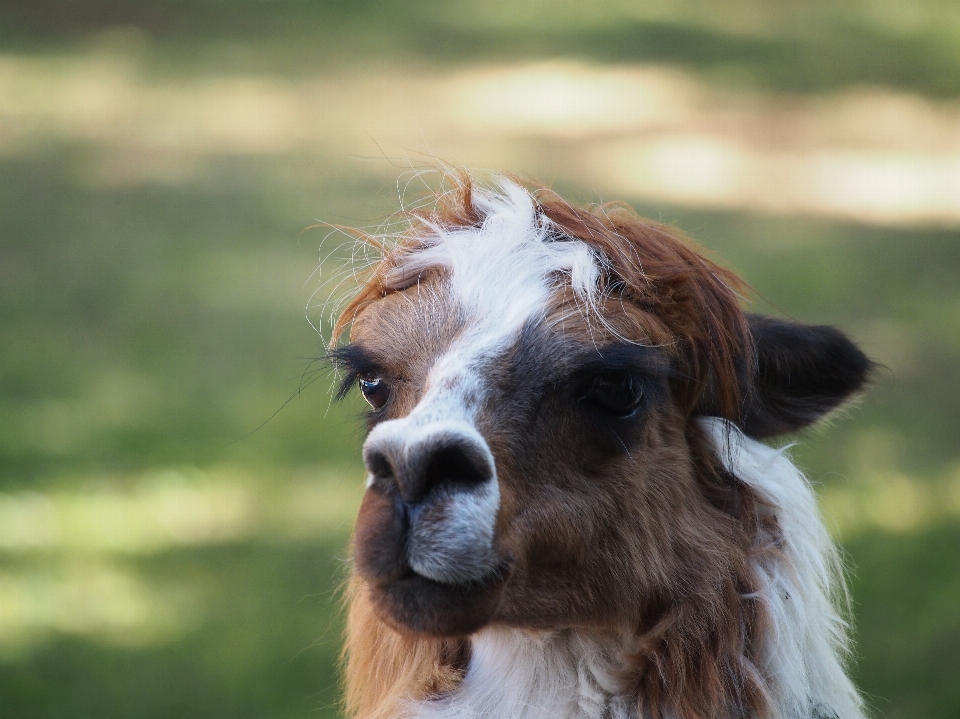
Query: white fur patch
[(505, 271), (502, 275), (451, 538), (519, 674), (808, 642)]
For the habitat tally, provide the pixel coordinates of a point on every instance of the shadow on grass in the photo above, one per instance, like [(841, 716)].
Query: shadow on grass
[(811, 48), (266, 646)]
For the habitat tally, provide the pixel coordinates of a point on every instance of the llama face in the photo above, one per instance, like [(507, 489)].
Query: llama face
[(538, 458), (499, 463), (525, 464), (532, 457)]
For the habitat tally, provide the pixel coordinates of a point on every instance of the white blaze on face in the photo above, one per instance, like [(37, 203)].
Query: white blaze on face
[(502, 277)]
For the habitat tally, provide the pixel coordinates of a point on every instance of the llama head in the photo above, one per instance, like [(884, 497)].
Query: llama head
[(535, 373)]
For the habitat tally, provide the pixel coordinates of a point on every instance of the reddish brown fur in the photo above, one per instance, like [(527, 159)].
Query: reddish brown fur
[(690, 556), (660, 271), (385, 668)]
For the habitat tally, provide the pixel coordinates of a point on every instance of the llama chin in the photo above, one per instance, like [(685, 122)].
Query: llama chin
[(568, 513)]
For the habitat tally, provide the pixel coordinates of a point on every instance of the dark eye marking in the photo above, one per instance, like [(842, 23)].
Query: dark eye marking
[(361, 369), (619, 381), (617, 393)]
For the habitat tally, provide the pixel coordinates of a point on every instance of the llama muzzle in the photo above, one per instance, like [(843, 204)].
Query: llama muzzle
[(425, 533)]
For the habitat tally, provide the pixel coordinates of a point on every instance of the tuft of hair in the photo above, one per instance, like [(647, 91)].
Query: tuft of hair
[(800, 584), (693, 303)]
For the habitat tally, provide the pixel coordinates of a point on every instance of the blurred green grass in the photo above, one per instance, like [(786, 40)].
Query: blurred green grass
[(148, 325), (265, 645), (816, 45), (162, 324)]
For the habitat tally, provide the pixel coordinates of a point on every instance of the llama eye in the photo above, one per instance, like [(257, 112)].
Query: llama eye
[(374, 389), (618, 393)]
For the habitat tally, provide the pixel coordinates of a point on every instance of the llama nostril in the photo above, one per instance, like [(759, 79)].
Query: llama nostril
[(380, 469), (456, 466), (444, 464)]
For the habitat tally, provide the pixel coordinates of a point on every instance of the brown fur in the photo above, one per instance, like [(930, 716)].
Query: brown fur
[(700, 657), (384, 668), (662, 272), (683, 531)]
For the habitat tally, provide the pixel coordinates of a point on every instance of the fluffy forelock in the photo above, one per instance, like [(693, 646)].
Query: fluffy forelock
[(531, 239)]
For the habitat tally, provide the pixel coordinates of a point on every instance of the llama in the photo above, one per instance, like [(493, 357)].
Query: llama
[(568, 513)]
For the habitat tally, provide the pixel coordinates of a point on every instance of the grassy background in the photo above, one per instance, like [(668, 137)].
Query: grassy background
[(151, 326)]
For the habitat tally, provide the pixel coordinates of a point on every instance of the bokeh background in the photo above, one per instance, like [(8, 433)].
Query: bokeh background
[(176, 490)]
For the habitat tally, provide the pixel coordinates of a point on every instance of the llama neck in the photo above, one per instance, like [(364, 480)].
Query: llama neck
[(532, 675)]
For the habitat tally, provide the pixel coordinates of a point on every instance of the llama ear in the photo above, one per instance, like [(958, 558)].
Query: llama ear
[(802, 372)]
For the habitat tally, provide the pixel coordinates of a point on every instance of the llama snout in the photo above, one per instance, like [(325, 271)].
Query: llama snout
[(433, 496)]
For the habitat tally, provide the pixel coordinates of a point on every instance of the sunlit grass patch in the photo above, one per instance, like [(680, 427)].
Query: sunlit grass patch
[(71, 559), (162, 509), (92, 598), (891, 501), (224, 630), (645, 130)]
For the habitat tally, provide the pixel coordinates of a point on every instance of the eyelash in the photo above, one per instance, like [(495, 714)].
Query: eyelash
[(348, 382)]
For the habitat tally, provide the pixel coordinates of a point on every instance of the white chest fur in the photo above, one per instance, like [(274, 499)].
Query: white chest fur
[(520, 674)]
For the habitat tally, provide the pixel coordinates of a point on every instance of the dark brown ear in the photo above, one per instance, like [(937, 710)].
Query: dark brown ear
[(799, 374)]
